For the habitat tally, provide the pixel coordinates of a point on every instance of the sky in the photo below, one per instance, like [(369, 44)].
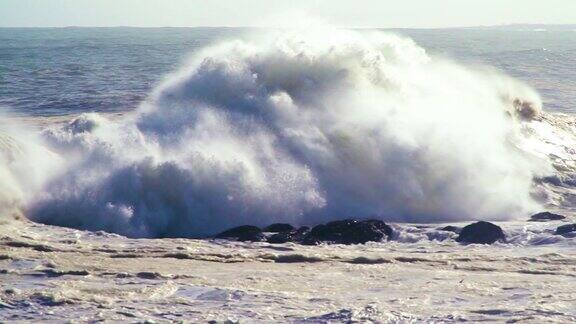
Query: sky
[(284, 13)]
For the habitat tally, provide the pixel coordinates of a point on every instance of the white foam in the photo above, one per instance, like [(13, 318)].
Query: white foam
[(300, 127)]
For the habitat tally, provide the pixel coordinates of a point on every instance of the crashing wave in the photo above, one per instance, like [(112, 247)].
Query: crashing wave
[(300, 128)]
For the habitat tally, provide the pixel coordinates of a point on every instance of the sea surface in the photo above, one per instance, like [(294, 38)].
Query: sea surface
[(304, 129), (61, 71)]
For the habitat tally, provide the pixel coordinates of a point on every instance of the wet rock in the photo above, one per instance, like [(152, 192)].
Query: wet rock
[(545, 216), (524, 109), (341, 316), (338, 232), (243, 233), (280, 238), (348, 232), (565, 229), (303, 229), (481, 233), (291, 236), (279, 228), (451, 228)]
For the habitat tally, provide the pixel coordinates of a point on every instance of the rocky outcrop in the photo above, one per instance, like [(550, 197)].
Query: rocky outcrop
[(243, 233), (279, 228), (451, 228), (348, 231), (546, 216), (280, 238), (481, 233), (566, 229), (289, 236)]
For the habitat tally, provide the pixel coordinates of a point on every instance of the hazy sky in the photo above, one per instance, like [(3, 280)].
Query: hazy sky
[(346, 13)]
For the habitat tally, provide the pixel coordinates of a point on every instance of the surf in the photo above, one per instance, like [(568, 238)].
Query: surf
[(294, 127)]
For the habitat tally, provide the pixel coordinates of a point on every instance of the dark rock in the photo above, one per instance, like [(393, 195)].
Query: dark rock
[(303, 229), (348, 232), (243, 233), (545, 216), (341, 316), (482, 233), (279, 228), (280, 238), (337, 232), (451, 228), (292, 236), (565, 229)]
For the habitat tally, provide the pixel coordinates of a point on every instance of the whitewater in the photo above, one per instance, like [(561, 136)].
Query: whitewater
[(291, 128), (299, 127)]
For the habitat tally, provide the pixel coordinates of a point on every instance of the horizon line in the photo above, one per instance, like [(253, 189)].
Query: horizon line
[(286, 27)]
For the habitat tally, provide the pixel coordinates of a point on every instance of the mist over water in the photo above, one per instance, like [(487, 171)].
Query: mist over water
[(298, 127)]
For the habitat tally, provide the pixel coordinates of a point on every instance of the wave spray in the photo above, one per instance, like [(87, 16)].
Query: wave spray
[(296, 127)]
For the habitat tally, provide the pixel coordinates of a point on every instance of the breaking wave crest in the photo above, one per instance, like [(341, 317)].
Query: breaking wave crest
[(293, 127)]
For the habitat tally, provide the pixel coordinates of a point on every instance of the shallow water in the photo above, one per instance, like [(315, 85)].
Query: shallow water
[(99, 276)]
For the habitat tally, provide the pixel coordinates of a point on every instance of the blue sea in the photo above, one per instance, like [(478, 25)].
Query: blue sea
[(60, 71)]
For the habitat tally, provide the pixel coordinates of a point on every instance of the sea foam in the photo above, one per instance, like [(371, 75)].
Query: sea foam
[(299, 127)]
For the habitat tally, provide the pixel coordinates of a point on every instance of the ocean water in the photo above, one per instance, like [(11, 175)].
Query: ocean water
[(59, 71), (225, 127), (47, 72)]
